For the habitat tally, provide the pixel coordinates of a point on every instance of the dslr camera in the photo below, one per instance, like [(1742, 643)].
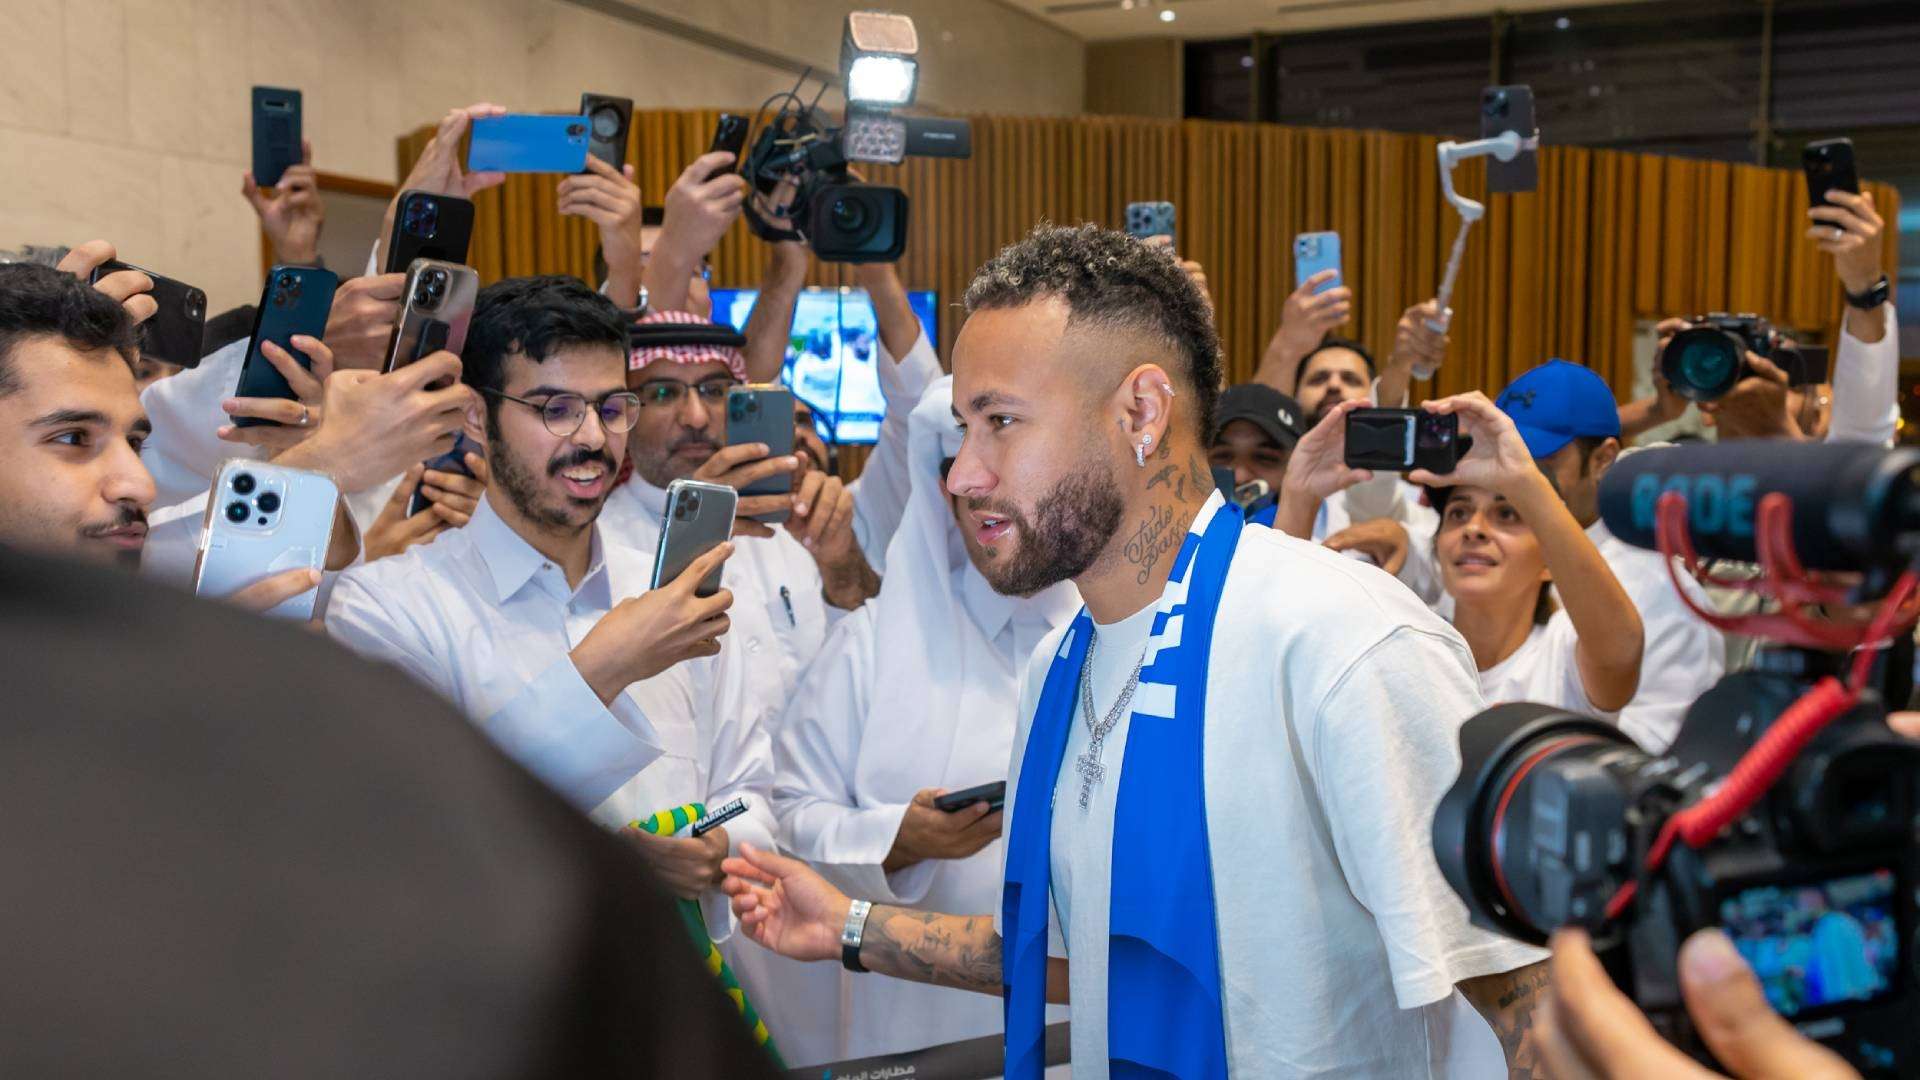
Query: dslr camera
[(1802, 852), (841, 218), (1706, 360)]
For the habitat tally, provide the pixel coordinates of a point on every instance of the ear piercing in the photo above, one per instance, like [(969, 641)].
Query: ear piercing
[(1140, 452)]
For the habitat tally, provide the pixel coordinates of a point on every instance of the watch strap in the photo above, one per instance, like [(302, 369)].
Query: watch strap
[(853, 933), (1872, 296)]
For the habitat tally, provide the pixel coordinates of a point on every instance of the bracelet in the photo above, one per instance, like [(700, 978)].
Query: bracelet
[(852, 934)]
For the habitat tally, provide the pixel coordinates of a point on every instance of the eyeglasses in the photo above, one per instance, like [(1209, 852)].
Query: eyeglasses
[(564, 413), (669, 393)]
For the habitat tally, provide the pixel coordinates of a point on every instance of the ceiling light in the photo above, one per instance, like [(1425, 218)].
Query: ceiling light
[(1563, 23), (1166, 15)]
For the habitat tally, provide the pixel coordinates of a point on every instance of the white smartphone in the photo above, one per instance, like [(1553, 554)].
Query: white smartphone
[(699, 519), (262, 520)]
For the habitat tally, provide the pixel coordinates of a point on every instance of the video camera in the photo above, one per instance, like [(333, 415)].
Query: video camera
[(1784, 812), (843, 219), (1706, 360)]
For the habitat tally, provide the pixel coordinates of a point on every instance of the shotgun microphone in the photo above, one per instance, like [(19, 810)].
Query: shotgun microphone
[(1856, 506)]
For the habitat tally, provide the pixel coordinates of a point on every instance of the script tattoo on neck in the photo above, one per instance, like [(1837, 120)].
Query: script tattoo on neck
[(1150, 540)]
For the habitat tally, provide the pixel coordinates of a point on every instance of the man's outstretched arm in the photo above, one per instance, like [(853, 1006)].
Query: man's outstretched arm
[(785, 906)]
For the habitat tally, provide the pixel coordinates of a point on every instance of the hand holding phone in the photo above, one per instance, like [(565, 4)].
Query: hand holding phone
[(436, 306), (296, 301), (994, 795), (1147, 220), (276, 133), (262, 521), (1828, 164), (764, 415), (647, 634), (699, 520), (929, 831), (1313, 253), (175, 331), (608, 119), (1402, 440), (729, 135)]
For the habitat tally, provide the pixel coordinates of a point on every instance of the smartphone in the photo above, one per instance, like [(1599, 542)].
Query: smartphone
[(1503, 109), (608, 120), (429, 226), (994, 795), (438, 306), (276, 133), (1222, 479), (1805, 365), (1252, 493), (699, 518), (453, 461), (177, 330), (730, 134), (264, 519), (528, 143), (1829, 167), (1148, 219), (1314, 252), (763, 414), (1400, 440), (297, 300)]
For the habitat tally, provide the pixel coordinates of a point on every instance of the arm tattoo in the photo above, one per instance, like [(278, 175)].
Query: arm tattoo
[(1508, 1001), (961, 951)]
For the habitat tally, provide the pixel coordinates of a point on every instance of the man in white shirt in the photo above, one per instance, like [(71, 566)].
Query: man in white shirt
[(541, 630), (876, 732), (1245, 852)]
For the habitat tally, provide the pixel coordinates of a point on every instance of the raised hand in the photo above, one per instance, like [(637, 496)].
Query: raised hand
[(743, 464), (822, 520), (375, 427), (1305, 320), (1498, 460), (293, 420), (129, 287), (360, 323), (610, 199), (700, 207), (439, 169), (1848, 228), (290, 211), (784, 906), (451, 501), (647, 634)]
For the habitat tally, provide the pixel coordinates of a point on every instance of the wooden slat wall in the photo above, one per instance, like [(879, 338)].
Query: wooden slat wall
[(1608, 238)]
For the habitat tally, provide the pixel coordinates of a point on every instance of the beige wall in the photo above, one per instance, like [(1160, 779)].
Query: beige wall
[(1141, 77), (129, 118)]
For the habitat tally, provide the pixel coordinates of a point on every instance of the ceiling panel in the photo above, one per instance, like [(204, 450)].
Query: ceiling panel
[(1108, 20)]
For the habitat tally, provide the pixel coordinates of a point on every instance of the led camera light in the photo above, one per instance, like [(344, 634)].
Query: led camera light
[(881, 80), (877, 58)]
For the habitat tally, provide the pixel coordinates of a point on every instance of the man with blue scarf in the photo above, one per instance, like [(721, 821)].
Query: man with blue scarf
[(1226, 765)]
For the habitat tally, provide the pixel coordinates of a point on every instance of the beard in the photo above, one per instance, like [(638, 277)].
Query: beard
[(1073, 525), (518, 482), (658, 464)]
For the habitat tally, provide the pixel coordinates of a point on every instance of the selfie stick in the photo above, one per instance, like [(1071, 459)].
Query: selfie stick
[(1505, 147)]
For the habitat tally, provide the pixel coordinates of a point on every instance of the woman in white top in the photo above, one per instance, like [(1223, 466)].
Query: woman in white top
[(1506, 539)]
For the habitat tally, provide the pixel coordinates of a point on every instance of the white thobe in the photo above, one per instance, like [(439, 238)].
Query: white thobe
[(1332, 731), (1866, 386), (846, 833), (880, 491), (488, 623)]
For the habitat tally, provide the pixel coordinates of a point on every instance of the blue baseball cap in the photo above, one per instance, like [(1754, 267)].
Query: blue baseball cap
[(1559, 402)]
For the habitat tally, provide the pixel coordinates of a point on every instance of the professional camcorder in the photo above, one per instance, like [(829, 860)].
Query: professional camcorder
[(1706, 360), (1785, 811), (841, 218)]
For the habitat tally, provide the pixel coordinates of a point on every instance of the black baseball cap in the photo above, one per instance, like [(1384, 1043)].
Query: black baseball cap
[(1278, 416)]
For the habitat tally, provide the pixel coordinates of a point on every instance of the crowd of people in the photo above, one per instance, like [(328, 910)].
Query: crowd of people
[(1038, 577)]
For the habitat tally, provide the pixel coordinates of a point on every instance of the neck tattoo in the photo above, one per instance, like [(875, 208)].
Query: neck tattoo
[(1088, 764)]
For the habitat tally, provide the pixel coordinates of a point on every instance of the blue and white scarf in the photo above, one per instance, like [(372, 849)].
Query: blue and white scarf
[(1164, 1015)]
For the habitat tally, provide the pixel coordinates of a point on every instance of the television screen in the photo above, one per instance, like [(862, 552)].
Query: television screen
[(831, 354)]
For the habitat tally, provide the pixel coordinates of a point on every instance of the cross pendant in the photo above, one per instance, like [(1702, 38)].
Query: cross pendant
[(1091, 773)]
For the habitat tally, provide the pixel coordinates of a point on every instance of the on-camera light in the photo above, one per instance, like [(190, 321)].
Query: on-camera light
[(881, 80), (877, 51)]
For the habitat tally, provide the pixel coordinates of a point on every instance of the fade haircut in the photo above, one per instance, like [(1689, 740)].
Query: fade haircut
[(39, 301), (535, 317), (1111, 281)]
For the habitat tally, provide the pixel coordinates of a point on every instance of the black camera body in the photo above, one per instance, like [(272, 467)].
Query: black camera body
[(1705, 361), (1553, 813), (842, 219)]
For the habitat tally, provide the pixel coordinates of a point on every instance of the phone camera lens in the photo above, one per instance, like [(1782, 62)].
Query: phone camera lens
[(237, 512), (691, 504), (576, 129), (286, 280), (423, 294), (243, 483), (268, 502), (606, 122)]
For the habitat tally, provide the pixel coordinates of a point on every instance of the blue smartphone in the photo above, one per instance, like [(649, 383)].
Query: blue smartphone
[(1149, 219), (528, 144), (297, 300), (1314, 252)]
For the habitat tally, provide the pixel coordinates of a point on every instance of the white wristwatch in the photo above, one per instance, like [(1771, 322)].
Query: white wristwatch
[(852, 933)]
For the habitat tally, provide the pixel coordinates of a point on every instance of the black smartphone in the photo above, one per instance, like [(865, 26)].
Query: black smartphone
[(177, 330), (994, 795), (1223, 479), (276, 133), (763, 414), (730, 134), (453, 461), (296, 300), (1829, 167), (1400, 440), (608, 120), (429, 226), (1503, 109)]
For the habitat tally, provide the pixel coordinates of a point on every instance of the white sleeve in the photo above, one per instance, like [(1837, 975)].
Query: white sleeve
[(1682, 659), (1421, 573), (741, 767), (880, 493), (184, 452), (1866, 386), (821, 817), (1382, 747), (556, 727)]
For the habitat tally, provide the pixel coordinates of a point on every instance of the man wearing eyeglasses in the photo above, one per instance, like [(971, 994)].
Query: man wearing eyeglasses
[(542, 629)]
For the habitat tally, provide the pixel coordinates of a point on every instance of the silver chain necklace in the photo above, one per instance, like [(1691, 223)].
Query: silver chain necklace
[(1088, 764)]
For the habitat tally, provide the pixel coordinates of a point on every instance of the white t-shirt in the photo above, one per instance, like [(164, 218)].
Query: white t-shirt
[(1683, 656), (1543, 669), (1334, 702)]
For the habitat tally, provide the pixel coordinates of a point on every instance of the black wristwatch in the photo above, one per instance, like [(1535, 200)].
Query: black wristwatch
[(1874, 295)]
